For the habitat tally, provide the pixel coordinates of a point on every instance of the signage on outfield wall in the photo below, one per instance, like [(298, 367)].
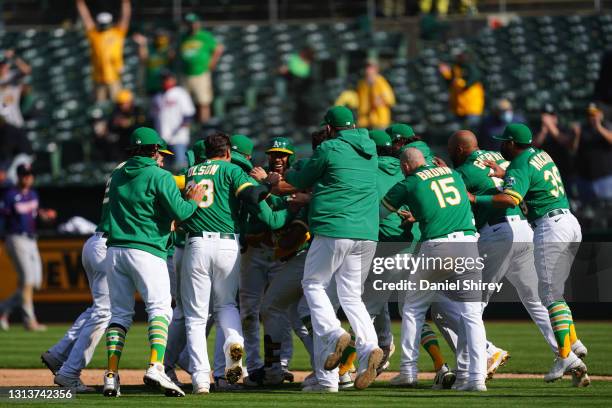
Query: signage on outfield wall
[(64, 278)]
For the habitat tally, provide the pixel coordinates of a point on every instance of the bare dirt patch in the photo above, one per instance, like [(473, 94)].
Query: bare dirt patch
[(42, 377)]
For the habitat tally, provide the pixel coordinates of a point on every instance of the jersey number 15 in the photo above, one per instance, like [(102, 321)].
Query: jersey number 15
[(445, 192)]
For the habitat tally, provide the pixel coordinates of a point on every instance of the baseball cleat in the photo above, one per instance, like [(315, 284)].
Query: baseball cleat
[(221, 385), (319, 388), (580, 378), (459, 383), (476, 385), (288, 375), (201, 389), (155, 377), (255, 378), (310, 379), (333, 359), (72, 383), (579, 349), (497, 359), (112, 387), (367, 372), (444, 378), (273, 375), (564, 365), (171, 373), (345, 381), (233, 363), (387, 353), (404, 380), (52, 363)]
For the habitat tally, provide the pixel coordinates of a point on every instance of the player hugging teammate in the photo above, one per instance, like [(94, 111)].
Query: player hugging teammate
[(294, 242)]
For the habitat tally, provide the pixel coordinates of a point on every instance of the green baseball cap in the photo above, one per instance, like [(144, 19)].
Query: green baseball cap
[(339, 116), (199, 150), (192, 18), (399, 130), (380, 137), (516, 132), (241, 144), (281, 144), (144, 136)]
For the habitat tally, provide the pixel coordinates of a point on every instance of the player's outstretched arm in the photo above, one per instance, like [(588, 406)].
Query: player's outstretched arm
[(252, 195), (126, 15), (85, 15), (501, 200)]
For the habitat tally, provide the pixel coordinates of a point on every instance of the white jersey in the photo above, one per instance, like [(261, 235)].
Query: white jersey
[(169, 112)]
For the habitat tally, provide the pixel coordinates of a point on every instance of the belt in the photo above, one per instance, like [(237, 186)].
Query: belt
[(503, 220), (456, 234), (220, 235), (551, 214)]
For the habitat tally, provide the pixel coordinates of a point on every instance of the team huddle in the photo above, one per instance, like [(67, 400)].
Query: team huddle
[(236, 246)]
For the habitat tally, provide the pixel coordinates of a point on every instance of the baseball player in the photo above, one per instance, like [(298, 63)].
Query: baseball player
[(211, 260), (437, 199), (506, 239), (533, 178), (83, 337), (344, 221), (276, 261), (143, 200), (20, 208)]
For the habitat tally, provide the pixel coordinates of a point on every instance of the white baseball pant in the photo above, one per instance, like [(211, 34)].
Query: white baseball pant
[(472, 336), (209, 263), (258, 269), (556, 240), (96, 268), (131, 270), (347, 261)]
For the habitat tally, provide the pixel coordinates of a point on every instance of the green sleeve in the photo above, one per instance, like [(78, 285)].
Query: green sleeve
[(310, 172), (239, 180), (171, 200), (465, 177), (516, 182), (395, 197), (273, 219)]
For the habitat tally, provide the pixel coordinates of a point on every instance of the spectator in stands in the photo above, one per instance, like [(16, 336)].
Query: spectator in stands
[(375, 97), (106, 41), (12, 71), (200, 53), (493, 124), (594, 156), (172, 111), (467, 97), (20, 209), (156, 57), (603, 86), (126, 117), (556, 139), (296, 75)]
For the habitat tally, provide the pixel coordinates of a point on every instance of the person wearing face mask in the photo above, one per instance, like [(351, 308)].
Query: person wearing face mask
[(376, 98), (106, 41), (172, 111), (494, 124)]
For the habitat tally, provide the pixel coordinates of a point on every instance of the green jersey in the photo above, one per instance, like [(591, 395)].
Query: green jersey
[(476, 176), (143, 199), (158, 60), (218, 211), (437, 198), (534, 178), (342, 172), (104, 224), (389, 174), (196, 52)]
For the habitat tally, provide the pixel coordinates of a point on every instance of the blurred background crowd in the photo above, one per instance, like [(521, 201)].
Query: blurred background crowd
[(71, 91)]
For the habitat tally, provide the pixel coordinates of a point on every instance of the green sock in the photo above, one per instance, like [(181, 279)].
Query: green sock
[(158, 337)]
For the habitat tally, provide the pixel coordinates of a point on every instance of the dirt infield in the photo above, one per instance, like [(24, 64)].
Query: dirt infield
[(42, 377)]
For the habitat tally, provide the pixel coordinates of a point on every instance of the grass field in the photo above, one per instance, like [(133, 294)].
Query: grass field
[(530, 354)]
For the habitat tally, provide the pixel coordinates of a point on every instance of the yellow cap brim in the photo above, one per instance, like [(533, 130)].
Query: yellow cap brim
[(278, 149), (166, 152)]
